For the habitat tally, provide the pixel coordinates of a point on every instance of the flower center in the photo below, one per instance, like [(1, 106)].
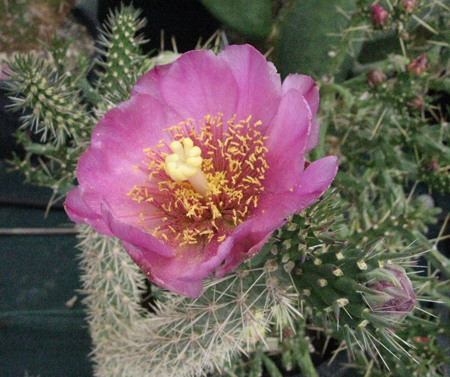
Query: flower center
[(190, 199), (185, 163)]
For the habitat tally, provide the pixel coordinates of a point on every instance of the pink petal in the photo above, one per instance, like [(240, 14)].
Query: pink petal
[(307, 88), (315, 180), (78, 211), (195, 85), (150, 82), (154, 267), (107, 176), (185, 271), (246, 241), (313, 137), (285, 154), (258, 81), (311, 184), (139, 123), (107, 170), (134, 235)]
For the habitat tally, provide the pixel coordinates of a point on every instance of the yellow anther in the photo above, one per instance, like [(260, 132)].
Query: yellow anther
[(185, 164)]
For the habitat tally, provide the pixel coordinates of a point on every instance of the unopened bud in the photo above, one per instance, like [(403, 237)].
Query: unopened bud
[(418, 65), (417, 103), (375, 78), (378, 15), (409, 5), (433, 165), (393, 296)]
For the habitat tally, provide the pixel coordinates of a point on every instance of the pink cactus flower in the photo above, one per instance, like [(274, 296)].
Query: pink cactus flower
[(201, 165), (378, 15)]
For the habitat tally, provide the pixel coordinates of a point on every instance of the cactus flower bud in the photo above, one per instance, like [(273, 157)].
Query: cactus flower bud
[(378, 15), (409, 5), (393, 296), (375, 77), (417, 103), (418, 65)]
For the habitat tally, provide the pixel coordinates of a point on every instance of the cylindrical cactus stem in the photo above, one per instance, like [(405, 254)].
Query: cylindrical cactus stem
[(381, 295)]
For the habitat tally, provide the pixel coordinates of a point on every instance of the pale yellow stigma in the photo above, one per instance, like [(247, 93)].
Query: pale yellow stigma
[(185, 163)]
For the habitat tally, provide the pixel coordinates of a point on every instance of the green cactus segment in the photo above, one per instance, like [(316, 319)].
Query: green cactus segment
[(50, 101), (113, 286), (122, 61), (355, 293), (181, 336), (53, 108)]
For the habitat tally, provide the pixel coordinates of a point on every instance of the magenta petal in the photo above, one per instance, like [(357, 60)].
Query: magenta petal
[(193, 262), (78, 211), (195, 85), (313, 137), (285, 154), (107, 170), (154, 267), (311, 184), (258, 81), (307, 88), (246, 241), (132, 234), (100, 175), (181, 272), (136, 123), (315, 180), (149, 83)]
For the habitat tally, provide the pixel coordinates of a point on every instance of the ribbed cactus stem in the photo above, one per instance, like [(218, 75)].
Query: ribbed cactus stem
[(183, 336), (305, 362), (113, 287)]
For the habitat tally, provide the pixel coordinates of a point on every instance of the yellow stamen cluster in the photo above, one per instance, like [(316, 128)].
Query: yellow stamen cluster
[(208, 185)]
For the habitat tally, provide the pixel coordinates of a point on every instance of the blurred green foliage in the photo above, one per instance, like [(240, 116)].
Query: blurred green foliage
[(251, 18), (306, 35)]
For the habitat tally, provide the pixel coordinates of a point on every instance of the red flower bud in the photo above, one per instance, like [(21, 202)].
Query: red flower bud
[(417, 103), (409, 5), (375, 78), (418, 65), (379, 15), (433, 165)]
